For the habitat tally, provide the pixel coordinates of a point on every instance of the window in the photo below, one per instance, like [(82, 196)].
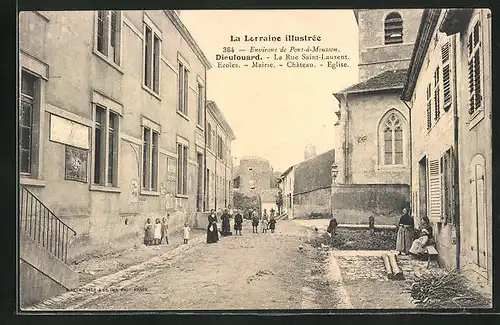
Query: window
[(182, 161), (109, 34), (220, 147), (392, 135), (209, 136), (26, 122), (445, 60), (474, 68), (214, 141), (152, 52), (150, 159), (183, 83), (393, 27), (105, 147), (437, 102), (199, 112), (429, 107)]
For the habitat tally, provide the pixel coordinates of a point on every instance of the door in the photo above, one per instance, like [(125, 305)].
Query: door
[(199, 188), (422, 188), (478, 211)]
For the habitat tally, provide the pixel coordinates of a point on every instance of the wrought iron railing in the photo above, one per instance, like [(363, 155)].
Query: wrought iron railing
[(43, 226)]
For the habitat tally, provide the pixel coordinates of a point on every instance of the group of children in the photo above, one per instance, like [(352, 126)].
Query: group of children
[(266, 222), (154, 234)]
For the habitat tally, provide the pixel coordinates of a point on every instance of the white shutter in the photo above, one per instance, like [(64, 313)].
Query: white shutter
[(434, 191)]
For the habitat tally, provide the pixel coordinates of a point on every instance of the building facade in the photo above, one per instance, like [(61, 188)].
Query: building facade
[(372, 130), (450, 92), (219, 167), (286, 183), (253, 175), (115, 133)]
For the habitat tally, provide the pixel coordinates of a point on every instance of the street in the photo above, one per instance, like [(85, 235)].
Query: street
[(253, 271)]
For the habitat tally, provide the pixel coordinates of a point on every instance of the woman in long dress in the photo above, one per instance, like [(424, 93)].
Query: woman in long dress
[(226, 227), (405, 233), (212, 232), (148, 232)]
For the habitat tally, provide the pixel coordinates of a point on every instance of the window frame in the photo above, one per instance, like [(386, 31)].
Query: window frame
[(105, 164), (403, 124), (182, 151), (183, 88), (200, 105), (478, 113), (117, 59), (151, 78), (385, 23), (39, 70)]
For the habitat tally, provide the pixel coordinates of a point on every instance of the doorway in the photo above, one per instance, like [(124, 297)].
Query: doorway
[(199, 188)]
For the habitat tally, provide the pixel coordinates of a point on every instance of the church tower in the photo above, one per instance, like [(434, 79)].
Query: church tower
[(386, 39)]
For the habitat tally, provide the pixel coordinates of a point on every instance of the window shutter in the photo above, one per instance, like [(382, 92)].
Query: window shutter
[(434, 191), (445, 56), (477, 80), (437, 101), (429, 107)]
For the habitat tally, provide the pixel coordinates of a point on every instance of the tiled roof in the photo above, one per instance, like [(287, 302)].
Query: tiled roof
[(314, 173), (391, 79)]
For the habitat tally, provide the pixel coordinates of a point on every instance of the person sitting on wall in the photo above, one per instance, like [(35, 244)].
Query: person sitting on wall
[(419, 246)]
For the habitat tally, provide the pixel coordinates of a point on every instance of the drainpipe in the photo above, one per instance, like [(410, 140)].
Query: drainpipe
[(456, 190), (215, 177), (346, 140), (205, 203), (411, 155)]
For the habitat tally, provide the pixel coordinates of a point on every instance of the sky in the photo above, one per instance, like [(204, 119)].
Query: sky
[(275, 113)]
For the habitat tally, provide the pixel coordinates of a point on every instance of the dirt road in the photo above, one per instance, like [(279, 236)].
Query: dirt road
[(253, 271)]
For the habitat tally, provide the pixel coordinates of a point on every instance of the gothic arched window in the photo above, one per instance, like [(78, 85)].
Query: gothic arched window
[(393, 28), (392, 143)]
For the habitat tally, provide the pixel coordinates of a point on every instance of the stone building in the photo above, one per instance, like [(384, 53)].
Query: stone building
[(115, 133), (219, 161), (372, 131), (449, 90), (306, 187), (253, 175)]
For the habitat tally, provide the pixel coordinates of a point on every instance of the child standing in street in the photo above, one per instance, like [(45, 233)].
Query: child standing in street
[(164, 228), (272, 224), (187, 232), (148, 232), (255, 222), (157, 236)]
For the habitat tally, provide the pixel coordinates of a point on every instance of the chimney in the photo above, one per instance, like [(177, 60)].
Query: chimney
[(310, 151)]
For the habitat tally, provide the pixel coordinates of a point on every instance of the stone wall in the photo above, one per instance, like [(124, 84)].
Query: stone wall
[(355, 203), (318, 201)]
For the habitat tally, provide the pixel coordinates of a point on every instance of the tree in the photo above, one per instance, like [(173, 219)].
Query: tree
[(243, 202), (279, 202)]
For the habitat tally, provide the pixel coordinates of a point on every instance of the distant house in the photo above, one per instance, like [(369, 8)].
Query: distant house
[(268, 200), (307, 186)]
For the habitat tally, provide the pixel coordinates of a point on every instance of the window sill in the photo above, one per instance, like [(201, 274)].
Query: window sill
[(101, 188), (391, 167), (32, 181), (183, 115), (200, 127), (182, 196), (150, 193), (151, 92), (105, 59), (476, 118)]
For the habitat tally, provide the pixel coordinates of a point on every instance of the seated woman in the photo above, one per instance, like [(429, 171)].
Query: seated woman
[(419, 246)]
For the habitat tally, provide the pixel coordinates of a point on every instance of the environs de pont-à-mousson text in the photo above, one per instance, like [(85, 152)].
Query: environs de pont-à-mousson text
[(276, 51)]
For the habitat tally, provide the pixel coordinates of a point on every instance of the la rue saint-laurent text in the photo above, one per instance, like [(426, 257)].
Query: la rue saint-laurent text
[(272, 38)]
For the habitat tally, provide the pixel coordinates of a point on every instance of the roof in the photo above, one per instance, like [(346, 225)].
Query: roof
[(287, 171), (269, 195), (390, 79), (173, 15), (217, 113), (314, 173), (424, 36)]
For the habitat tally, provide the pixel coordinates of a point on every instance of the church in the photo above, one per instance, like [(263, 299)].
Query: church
[(371, 176)]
